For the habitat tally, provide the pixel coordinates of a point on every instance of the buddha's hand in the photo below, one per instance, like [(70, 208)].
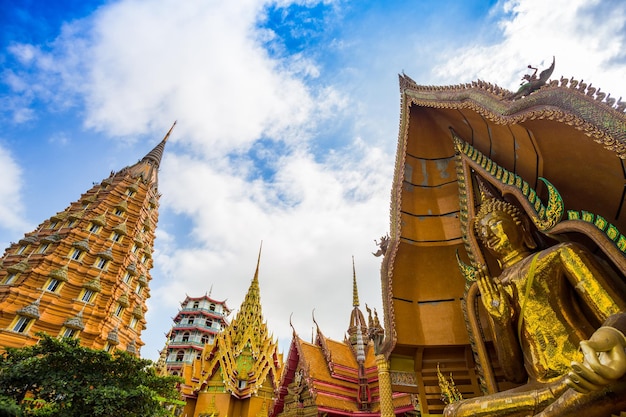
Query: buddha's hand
[(604, 361), (495, 299)]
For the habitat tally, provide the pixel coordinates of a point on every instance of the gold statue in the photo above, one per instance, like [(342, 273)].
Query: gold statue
[(558, 324)]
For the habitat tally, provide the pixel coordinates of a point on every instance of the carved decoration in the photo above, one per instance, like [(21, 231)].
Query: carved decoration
[(581, 106), (403, 378)]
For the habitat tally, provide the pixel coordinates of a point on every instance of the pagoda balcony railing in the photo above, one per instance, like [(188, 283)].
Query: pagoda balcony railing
[(206, 310), (174, 344), (200, 326)]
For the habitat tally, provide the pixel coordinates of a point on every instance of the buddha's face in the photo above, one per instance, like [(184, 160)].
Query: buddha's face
[(500, 234)]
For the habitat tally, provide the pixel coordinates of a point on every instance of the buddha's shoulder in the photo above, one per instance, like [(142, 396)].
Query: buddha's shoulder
[(571, 248)]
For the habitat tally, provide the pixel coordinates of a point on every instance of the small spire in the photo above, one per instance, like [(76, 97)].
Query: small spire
[(258, 262), (355, 291), (155, 154)]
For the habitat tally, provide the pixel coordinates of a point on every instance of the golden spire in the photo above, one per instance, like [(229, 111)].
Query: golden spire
[(357, 320), (355, 291), (245, 351), (250, 310)]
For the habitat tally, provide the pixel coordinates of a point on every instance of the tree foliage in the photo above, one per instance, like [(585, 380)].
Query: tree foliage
[(58, 377)]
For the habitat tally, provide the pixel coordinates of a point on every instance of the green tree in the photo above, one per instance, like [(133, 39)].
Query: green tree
[(58, 377)]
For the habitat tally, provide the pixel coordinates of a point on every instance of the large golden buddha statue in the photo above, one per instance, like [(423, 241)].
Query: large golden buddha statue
[(558, 324)]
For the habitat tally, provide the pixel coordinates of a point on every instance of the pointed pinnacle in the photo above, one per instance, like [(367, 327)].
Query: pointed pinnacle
[(156, 154), (355, 291), (258, 262)]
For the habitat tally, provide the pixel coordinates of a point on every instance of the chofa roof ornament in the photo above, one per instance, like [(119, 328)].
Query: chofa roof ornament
[(530, 82)]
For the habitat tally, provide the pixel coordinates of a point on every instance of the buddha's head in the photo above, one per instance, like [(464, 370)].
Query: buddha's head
[(501, 228)]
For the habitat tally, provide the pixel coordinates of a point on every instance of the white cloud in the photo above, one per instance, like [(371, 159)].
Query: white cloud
[(200, 62), (11, 205), (586, 37)]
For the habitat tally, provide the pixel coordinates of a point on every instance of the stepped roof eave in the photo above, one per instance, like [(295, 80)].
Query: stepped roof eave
[(206, 297), (567, 131)]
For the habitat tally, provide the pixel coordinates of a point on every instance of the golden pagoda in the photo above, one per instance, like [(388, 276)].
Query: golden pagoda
[(85, 271), (238, 374), (331, 378), (506, 250)]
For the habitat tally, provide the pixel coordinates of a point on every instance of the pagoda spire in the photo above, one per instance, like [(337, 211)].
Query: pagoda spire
[(155, 155)]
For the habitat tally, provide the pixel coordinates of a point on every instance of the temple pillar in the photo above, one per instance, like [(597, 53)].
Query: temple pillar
[(384, 387)]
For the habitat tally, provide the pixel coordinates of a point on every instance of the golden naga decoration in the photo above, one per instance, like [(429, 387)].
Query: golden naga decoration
[(449, 392), (557, 314)]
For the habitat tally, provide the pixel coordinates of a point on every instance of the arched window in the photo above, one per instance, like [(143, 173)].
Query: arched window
[(196, 304), (205, 339), (180, 355), (212, 307), (185, 337)]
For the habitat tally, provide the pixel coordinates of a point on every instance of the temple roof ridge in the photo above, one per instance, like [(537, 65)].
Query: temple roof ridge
[(571, 84)]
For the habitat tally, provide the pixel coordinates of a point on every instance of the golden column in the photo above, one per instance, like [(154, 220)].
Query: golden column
[(377, 335), (384, 387)]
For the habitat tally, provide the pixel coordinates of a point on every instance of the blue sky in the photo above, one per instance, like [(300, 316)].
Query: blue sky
[(287, 125)]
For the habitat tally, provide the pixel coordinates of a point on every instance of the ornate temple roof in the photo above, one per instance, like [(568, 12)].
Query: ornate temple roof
[(331, 377), (244, 354), (568, 132), (325, 375), (563, 130)]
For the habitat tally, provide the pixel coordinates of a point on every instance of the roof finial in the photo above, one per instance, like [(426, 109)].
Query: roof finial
[(291, 324), (355, 291)]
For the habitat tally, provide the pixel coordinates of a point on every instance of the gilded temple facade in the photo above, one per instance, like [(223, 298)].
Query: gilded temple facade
[(506, 231), (85, 271), (332, 378), (238, 374), (196, 324)]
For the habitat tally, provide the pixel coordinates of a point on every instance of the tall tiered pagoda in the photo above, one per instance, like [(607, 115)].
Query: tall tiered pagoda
[(238, 374), (332, 378), (552, 154), (196, 325), (85, 271)]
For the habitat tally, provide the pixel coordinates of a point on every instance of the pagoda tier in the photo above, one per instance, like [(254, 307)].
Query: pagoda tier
[(85, 271)]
